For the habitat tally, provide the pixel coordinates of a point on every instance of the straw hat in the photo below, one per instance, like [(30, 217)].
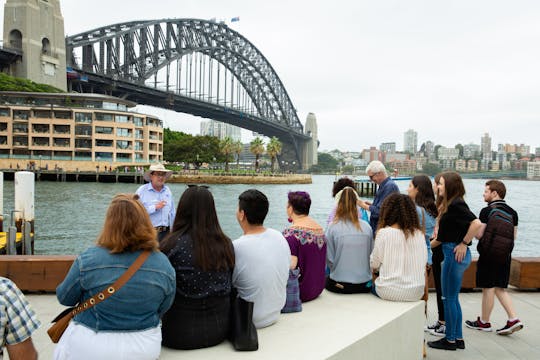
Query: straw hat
[(157, 167)]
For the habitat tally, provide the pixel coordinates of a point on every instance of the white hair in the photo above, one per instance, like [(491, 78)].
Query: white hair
[(376, 167)]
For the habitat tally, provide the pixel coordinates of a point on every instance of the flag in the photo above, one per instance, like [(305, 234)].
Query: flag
[(236, 18)]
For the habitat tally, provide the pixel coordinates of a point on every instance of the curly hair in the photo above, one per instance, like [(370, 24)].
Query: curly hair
[(399, 209)]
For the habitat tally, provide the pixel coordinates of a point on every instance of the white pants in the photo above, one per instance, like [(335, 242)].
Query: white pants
[(80, 343)]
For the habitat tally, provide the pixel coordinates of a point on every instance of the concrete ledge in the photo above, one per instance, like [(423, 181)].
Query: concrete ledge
[(333, 326)]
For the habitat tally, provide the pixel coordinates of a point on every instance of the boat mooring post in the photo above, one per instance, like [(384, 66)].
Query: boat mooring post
[(1, 201), (24, 203), (11, 236)]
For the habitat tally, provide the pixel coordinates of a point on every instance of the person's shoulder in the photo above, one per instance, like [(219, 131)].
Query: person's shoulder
[(141, 188)]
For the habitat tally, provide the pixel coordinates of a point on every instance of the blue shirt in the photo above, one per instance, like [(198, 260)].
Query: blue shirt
[(138, 305), (387, 187), (429, 223), (149, 197)]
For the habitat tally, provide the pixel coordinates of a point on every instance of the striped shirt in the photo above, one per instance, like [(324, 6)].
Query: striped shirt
[(17, 320), (401, 263)]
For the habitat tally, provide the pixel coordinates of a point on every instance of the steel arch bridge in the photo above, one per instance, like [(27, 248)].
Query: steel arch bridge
[(193, 66)]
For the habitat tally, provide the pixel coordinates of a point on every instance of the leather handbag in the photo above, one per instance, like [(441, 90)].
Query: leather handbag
[(63, 319), (243, 333)]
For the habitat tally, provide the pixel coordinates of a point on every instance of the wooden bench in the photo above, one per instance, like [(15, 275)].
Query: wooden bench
[(36, 272), (525, 272)]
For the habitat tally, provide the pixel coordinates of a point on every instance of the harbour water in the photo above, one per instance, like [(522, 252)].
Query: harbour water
[(69, 216)]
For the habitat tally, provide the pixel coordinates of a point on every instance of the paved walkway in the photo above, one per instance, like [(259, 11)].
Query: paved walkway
[(524, 344)]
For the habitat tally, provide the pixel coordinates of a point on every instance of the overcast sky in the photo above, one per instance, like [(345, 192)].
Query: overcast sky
[(370, 70)]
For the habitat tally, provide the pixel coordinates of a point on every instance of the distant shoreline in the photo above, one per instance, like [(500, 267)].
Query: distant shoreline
[(241, 179)]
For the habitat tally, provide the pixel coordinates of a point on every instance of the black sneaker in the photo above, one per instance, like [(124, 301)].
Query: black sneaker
[(460, 344), (442, 344), (433, 326), (510, 327), (478, 324)]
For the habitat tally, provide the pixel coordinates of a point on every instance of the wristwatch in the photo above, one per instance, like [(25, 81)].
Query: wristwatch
[(464, 242)]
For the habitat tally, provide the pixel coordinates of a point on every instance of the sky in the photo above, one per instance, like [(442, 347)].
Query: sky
[(372, 69)]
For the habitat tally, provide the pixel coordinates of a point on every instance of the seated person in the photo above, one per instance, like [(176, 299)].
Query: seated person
[(17, 323), (400, 253), (262, 260), (349, 241), (336, 194), (203, 258), (308, 246)]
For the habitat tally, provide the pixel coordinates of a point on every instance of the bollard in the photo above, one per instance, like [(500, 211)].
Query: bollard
[(27, 239), (1, 201), (24, 203), (11, 237)]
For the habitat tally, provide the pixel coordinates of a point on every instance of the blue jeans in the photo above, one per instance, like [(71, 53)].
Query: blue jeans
[(451, 277)]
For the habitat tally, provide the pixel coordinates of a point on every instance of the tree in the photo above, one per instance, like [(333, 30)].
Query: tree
[(257, 148), (326, 163), (436, 150), (431, 169), (273, 149), (226, 148), (191, 149), (238, 147), (460, 148)]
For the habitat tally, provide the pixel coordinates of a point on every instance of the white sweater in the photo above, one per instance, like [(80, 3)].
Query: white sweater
[(401, 263)]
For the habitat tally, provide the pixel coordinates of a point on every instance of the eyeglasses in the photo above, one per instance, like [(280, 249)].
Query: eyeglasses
[(159, 174), (372, 175)]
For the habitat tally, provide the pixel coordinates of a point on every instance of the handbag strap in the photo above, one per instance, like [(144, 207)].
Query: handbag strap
[(104, 294)]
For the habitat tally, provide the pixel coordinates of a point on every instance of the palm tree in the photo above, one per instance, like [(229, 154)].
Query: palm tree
[(273, 149), (226, 148), (257, 148), (238, 147)]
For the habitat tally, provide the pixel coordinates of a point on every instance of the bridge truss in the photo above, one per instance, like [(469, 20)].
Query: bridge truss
[(189, 65)]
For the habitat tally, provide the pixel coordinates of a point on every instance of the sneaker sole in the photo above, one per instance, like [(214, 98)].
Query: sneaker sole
[(478, 328), (437, 334), (511, 330)]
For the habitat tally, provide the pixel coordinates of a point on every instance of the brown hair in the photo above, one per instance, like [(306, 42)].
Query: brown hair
[(346, 208), (498, 187), (127, 226), (399, 209), (453, 189)]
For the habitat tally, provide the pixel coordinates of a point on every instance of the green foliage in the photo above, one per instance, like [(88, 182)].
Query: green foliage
[(326, 163), (273, 149), (227, 148), (10, 83), (431, 169), (181, 147), (257, 148)]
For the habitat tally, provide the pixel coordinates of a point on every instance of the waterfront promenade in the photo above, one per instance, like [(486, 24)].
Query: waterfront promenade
[(524, 344)]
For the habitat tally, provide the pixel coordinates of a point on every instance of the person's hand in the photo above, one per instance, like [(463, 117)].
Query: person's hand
[(161, 204), (363, 204), (460, 250)]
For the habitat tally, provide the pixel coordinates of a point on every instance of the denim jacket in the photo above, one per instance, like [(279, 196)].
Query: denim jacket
[(138, 305)]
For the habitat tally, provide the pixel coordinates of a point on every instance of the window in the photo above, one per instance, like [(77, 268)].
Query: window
[(123, 144), (104, 156), (138, 146), (3, 140), (139, 121), (83, 130), (104, 117), (62, 129), (101, 142), (3, 126), (40, 141), (20, 128), (20, 141), (42, 114), (121, 118), (62, 114), (83, 117), (123, 132), (61, 142), (104, 130), (40, 128), (83, 143), (123, 157), (5, 112), (21, 114), (139, 134)]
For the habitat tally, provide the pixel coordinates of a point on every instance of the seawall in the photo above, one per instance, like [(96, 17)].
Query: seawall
[(240, 179)]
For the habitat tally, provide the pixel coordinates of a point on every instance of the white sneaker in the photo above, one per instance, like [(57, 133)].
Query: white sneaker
[(439, 331)]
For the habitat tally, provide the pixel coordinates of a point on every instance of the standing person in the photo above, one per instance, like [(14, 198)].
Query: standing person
[(262, 260), (492, 276), (125, 325), (377, 173), (457, 227), (336, 193), (438, 328), (203, 257), (17, 323), (157, 199), (400, 254), (350, 242), (307, 244)]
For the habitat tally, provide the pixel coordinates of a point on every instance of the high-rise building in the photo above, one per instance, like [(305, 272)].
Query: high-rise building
[(485, 147), (220, 130), (471, 151), (389, 147), (410, 141), (429, 150)]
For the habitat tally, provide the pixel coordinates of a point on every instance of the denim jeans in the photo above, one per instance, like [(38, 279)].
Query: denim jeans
[(451, 277)]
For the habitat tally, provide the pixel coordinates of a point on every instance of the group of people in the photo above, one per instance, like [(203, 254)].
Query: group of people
[(180, 297)]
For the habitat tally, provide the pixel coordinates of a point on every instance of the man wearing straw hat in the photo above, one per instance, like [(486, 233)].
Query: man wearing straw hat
[(157, 199)]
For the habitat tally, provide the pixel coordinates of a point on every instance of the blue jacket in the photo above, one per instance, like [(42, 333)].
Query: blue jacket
[(387, 187), (138, 305)]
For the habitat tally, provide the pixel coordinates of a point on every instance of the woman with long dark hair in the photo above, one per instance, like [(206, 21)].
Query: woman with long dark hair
[(203, 257), (400, 254), (350, 241), (457, 227)]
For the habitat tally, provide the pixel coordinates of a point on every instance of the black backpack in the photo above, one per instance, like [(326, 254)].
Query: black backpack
[(497, 243)]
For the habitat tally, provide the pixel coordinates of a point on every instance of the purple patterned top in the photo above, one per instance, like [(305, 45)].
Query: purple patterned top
[(309, 245)]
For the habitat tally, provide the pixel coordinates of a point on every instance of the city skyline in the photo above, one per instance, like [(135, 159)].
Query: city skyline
[(371, 70)]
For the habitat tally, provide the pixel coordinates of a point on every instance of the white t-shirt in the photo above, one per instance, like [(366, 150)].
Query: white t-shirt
[(261, 272), (401, 263)]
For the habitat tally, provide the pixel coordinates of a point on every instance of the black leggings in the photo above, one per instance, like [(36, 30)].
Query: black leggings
[(341, 287), (438, 258), (196, 323)]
